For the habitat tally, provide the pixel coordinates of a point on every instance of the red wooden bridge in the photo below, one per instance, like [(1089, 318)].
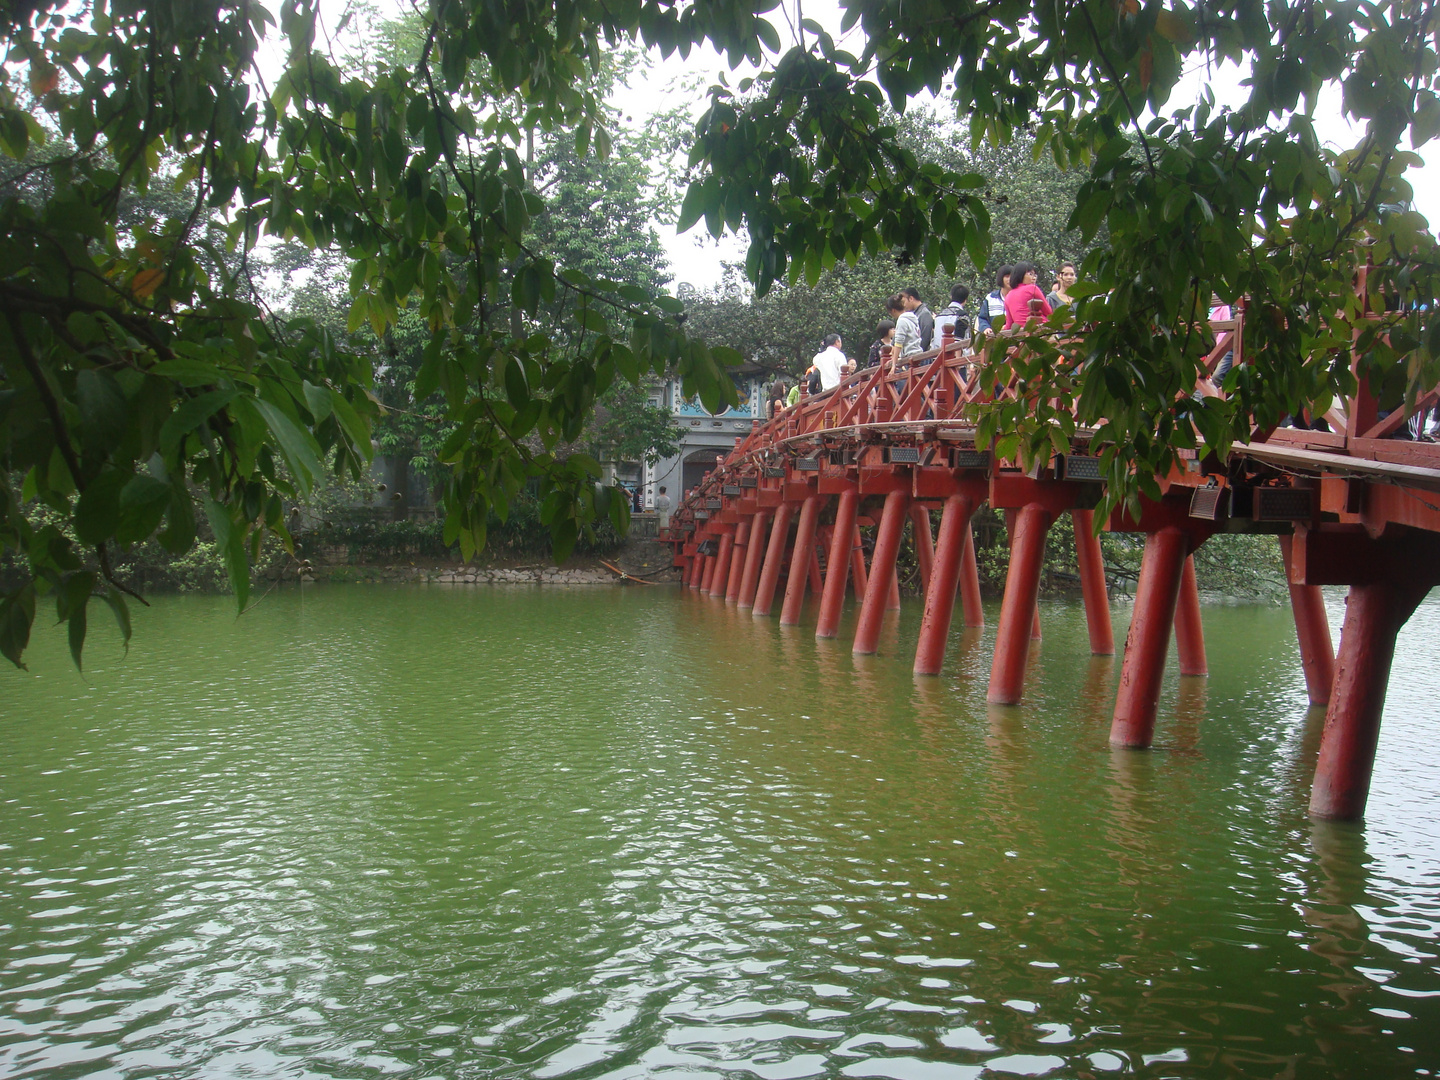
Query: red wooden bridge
[(1352, 506)]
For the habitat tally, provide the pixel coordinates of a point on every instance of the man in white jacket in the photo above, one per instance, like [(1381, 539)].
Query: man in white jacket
[(831, 363)]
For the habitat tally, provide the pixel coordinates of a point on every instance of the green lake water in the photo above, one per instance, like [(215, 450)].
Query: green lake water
[(615, 833)]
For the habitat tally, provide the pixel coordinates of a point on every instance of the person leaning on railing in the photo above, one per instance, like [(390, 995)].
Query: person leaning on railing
[(907, 330)]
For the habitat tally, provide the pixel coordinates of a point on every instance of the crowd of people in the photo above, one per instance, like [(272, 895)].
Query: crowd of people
[(910, 328)]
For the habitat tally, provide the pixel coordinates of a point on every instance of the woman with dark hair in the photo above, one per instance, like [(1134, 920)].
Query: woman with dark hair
[(884, 335), (776, 401), (1025, 300), (1065, 277)]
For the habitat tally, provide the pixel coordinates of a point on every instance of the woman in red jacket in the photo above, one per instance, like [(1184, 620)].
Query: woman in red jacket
[(1023, 289)]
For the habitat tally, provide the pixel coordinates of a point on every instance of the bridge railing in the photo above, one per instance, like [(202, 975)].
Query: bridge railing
[(902, 398)]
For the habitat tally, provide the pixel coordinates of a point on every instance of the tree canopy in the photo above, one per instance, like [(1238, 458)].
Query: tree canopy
[(142, 374), (1029, 202)]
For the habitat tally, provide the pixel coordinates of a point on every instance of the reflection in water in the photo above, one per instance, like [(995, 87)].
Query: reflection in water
[(632, 833)]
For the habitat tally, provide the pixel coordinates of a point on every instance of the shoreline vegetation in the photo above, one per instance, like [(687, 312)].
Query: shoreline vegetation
[(367, 545)]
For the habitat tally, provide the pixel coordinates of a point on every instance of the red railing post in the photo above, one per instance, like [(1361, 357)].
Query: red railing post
[(1092, 583), (1143, 668), (800, 561), (940, 595), (882, 572), (837, 568)]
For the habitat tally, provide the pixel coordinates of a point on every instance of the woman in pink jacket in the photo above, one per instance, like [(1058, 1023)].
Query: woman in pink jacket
[(1023, 290)]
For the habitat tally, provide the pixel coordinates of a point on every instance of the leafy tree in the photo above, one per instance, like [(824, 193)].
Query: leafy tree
[(1029, 203), (629, 428), (1195, 200), (138, 366)]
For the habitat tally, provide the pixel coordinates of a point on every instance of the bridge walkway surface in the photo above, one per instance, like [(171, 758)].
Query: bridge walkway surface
[(1352, 506)]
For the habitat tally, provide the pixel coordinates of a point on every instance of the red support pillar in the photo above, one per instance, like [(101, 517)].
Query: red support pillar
[(774, 557), (940, 596), (708, 574), (1312, 629), (722, 566), (1143, 668), (970, 581), (1374, 614), (882, 571), (1017, 610), (1092, 583), (800, 561), (858, 576), (1189, 630), (737, 564), (751, 577), (924, 543), (817, 583), (837, 568)]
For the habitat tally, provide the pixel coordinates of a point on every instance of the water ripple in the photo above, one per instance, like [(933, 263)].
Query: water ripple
[(514, 833)]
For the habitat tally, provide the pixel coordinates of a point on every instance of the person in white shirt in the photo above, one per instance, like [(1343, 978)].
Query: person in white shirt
[(831, 363)]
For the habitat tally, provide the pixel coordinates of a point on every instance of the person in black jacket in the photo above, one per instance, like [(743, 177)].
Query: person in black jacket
[(884, 335)]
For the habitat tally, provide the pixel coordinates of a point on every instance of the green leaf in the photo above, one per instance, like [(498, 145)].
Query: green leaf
[(355, 428), (298, 447), (143, 502), (122, 615), (190, 416), (76, 632), (230, 539), (516, 389), (188, 371), (98, 512), (17, 613), (104, 412), (179, 532), (317, 399), (563, 534)]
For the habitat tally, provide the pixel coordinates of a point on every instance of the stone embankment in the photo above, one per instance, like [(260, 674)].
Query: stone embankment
[(642, 558)]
